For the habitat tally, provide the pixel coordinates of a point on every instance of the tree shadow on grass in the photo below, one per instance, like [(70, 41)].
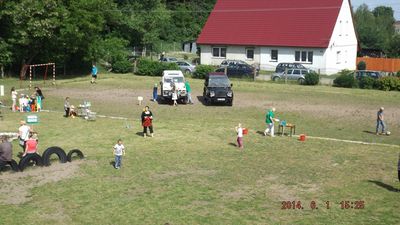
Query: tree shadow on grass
[(383, 185)]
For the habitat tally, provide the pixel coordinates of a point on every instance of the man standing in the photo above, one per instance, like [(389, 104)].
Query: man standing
[(270, 118), (189, 93), (5, 151), (94, 74), (380, 121), (23, 134)]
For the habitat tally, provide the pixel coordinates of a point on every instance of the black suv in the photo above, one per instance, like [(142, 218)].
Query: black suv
[(238, 70), (282, 66), (367, 73), (217, 89)]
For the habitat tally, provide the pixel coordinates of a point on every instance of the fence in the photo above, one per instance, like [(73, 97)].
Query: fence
[(381, 64)]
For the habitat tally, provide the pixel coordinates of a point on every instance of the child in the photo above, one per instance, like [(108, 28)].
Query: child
[(239, 131), (119, 150), (14, 95), (67, 107), (155, 90)]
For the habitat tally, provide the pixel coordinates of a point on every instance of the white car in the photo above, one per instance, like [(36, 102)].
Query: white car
[(170, 78)]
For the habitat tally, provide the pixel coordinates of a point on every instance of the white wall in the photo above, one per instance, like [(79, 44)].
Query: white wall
[(343, 43), (232, 52)]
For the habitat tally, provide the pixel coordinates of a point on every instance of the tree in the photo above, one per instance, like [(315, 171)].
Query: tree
[(394, 47), (5, 56)]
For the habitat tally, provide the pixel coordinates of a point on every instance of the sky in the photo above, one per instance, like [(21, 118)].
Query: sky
[(395, 4)]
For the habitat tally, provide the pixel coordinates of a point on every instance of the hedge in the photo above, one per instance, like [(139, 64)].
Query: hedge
[(311, 78), (154, 68), (202, 71)]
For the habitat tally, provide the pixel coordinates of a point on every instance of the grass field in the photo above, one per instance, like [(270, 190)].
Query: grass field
[(191, 172)]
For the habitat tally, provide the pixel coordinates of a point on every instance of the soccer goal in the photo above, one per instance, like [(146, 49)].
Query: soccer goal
[(39, 70)]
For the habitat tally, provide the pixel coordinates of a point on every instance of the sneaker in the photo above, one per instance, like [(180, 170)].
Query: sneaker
[(152, 135)]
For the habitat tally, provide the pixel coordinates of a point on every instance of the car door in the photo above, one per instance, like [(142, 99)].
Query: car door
[(295, 75)]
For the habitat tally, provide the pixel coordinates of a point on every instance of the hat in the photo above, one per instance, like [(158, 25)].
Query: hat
[(22, 122)]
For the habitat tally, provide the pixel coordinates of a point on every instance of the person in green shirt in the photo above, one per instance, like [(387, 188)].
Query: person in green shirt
[(189, 93), (270, 118)]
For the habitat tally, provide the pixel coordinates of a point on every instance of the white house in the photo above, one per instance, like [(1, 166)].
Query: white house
[(319, 34)]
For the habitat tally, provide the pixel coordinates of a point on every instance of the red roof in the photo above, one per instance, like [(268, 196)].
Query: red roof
[(295, 23)]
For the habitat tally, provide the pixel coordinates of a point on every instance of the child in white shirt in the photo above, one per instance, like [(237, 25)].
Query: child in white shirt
[(239, 131), (119, 150)]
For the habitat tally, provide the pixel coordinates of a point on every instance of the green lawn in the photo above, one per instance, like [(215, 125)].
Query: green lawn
[(191, 172)]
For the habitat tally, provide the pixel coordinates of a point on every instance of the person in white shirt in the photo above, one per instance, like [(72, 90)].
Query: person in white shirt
[(239, 131), (14, 95), (119, 150), (23, 134)]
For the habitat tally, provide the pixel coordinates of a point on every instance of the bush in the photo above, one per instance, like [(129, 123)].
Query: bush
[(345, 80), (122, 66), (311, 78), (389, 84), (368, 83), (398, 74), (202, 71), (361, 65), (154, 68)]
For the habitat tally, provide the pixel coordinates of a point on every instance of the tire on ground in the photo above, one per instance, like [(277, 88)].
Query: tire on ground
[(37, 159), (76, 152), (14, 165), (54, 150)]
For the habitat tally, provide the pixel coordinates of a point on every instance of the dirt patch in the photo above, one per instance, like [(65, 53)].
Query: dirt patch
[(16, 187)]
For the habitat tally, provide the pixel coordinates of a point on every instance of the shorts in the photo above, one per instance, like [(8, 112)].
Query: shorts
[(94, 76)]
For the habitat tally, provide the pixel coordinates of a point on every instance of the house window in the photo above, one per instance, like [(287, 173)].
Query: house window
[(219, 52), (250, 53), (303, 56), (274, 55), (338, 57)]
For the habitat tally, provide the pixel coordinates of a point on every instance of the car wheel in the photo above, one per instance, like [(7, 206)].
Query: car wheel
[(188, 72), (276, 79), (230, 103), (301, 81)]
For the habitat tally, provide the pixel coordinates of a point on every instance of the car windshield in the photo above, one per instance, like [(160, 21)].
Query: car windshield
[(173, 80), (218, 81)]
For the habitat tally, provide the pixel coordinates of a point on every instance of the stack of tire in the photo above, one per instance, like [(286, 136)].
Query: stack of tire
[(44, 160)]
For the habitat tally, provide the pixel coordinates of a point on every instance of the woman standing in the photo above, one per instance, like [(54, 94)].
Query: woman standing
[(39, 98), (14, 95), (147, 121)]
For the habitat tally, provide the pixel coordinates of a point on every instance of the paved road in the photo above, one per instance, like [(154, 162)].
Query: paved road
[(324, 81)]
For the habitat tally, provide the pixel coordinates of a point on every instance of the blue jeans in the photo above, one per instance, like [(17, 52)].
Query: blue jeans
[(378, 124), (155, 95), (118, 159)]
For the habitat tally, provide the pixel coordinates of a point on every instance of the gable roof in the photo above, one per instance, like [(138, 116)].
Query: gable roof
[(300, 23)]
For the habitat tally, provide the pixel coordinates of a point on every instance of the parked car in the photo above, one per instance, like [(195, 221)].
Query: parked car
[(186, 67), (282, 66), (239, 70), (358, 74), (170, 78), (217, 89), (230, 62), (292, 74), (168, 59)]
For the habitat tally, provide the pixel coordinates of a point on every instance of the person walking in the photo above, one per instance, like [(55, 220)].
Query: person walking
[(380, 121), (94, 74), (189, 93), (67, 106), (14, 95), (270, 119), (119, 150), (23, 134), (398, 168), (155, 90), (147, 121), (239, 131)]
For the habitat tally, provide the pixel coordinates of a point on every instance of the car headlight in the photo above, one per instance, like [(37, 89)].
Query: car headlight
[(212, 93), (229, 94)]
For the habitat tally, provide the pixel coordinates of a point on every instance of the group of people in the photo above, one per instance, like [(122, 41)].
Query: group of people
[(69, 109), (27, 103), (175, 93)]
